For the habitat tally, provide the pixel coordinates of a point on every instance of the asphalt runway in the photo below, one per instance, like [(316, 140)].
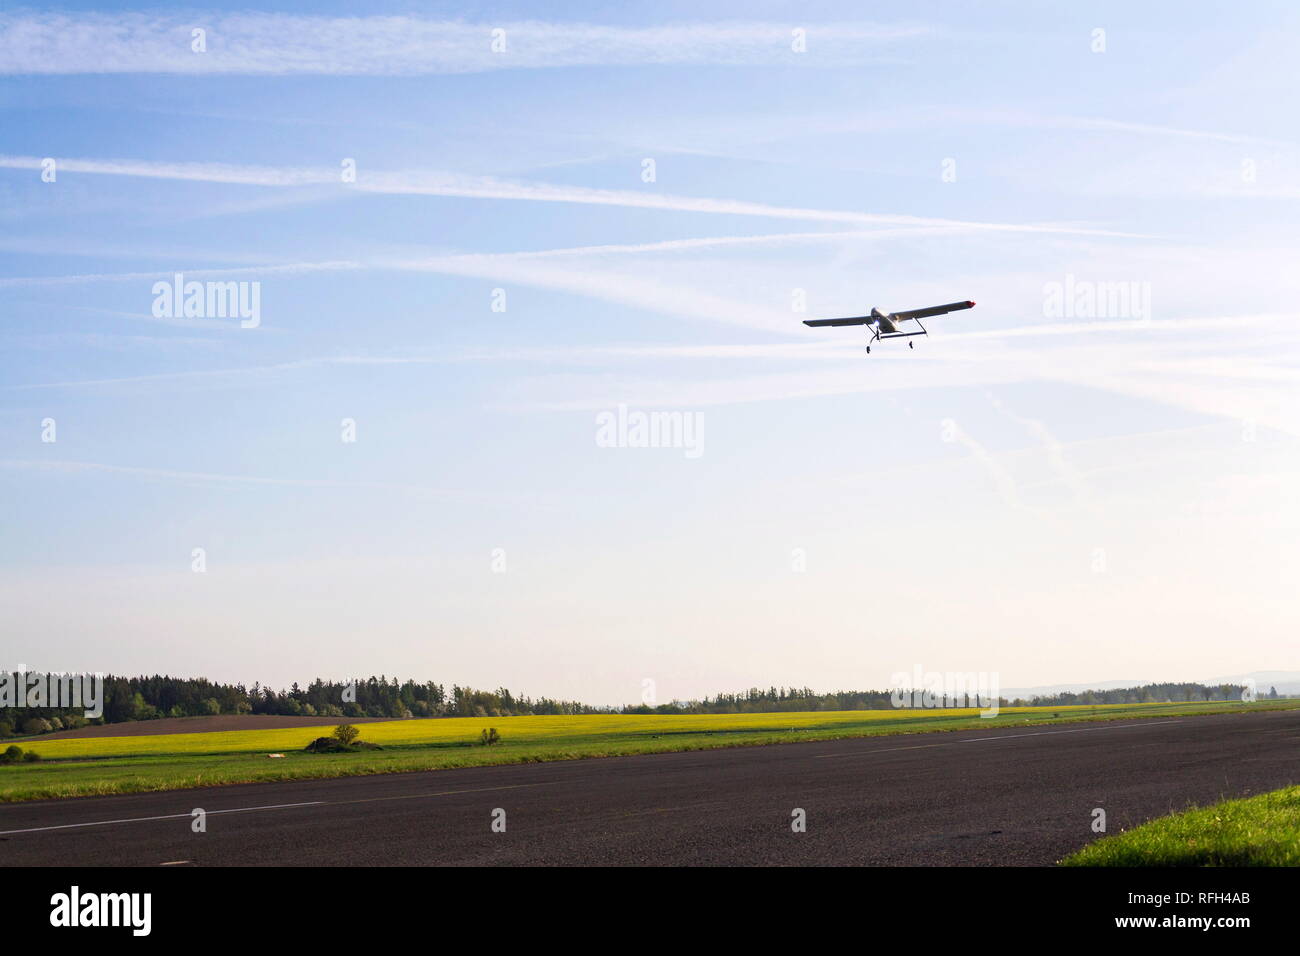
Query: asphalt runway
[(966, 798)]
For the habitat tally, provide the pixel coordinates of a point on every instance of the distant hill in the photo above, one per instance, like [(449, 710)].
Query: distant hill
[(1286, 682)]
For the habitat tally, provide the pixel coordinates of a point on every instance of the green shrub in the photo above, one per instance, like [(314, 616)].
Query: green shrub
[(12, 754), (346, 734), (490, 737), (336, 745), (31, 756), (327, 745)]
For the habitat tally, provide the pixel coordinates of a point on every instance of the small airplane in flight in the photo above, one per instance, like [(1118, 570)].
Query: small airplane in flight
[(885, 325)]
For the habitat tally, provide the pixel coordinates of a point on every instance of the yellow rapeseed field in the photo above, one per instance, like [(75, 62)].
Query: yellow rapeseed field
[(522, 730)]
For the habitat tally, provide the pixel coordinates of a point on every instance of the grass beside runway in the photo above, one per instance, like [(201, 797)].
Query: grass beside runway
[(105, 765), (1253, 831)]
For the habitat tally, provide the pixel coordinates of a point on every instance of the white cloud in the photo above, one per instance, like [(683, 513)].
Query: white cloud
[(268, 44), (292, 268), (1154, 361), (197, 477), (1052, 447), (436, 183)]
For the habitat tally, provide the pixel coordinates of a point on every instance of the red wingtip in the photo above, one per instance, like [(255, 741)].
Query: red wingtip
[(971, 304)]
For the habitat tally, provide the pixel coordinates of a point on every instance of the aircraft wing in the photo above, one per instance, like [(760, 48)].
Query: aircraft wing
[(856, 320), (932, 310)]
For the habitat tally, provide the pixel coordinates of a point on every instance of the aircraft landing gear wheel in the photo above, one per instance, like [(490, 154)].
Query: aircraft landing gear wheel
[(868, 349), (911, 345)]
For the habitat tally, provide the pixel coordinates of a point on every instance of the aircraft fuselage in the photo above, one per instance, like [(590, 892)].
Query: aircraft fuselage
[(883, 322)]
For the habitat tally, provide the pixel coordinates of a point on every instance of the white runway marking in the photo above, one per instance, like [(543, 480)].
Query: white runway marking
[(167, 816), (970, 740), (277, 806), (1080, 730)]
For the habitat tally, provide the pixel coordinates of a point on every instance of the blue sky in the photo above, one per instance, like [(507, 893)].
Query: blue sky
[(1052, 498)]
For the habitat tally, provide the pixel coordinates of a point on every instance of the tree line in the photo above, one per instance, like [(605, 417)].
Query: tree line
[(149, 698), (1146, 694), (791, 699), (153, 697)]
